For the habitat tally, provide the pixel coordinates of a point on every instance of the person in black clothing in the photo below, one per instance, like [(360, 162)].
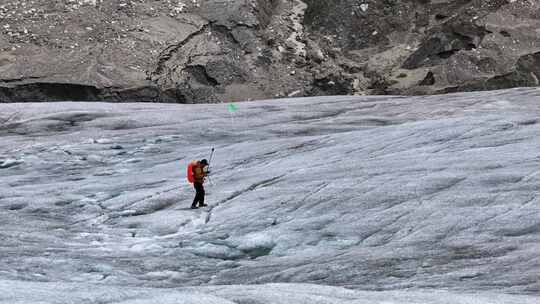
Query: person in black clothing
[(199, 173)]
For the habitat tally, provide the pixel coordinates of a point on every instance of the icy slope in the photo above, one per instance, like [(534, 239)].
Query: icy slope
[(56, 293), (371, 193)]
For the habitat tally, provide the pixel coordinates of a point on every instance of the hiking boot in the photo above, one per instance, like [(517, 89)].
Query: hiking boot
[(194, 207), (202, 205)]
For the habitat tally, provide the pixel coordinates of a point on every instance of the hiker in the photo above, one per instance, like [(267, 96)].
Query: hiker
[(199, 171)]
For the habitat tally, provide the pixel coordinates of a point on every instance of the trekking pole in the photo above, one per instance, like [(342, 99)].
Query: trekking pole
[(210, 160), (209, 163)]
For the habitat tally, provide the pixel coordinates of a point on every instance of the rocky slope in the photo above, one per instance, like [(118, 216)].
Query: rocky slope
[(214, 50)]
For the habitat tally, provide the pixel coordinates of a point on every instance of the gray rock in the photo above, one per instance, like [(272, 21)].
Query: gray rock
[(206, 51), (456, 45)]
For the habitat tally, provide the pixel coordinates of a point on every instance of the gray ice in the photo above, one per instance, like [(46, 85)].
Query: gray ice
[(312, 200)]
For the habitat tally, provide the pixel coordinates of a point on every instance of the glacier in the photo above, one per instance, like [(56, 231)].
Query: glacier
[(338, 199)]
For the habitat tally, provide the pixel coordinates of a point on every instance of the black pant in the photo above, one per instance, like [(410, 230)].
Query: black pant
[(199, 196)]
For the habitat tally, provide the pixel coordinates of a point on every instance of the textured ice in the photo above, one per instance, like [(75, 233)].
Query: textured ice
[(55, 293), (400, 200)]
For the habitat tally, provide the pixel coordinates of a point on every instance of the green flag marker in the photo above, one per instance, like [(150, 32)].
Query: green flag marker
[(231, 107)]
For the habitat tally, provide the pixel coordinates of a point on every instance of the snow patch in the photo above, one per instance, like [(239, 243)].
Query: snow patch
[(364, 7)]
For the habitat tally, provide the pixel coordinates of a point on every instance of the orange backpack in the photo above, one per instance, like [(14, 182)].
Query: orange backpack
[(190, 177)]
